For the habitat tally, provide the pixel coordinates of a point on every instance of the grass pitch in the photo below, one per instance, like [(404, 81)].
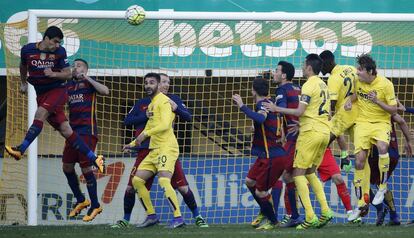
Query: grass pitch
[(214, 231)]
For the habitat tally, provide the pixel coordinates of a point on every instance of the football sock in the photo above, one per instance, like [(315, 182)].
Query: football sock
[(358, 182), (31, 134), (191, 202), (318, 190), (291, 194), (303, 192), (129, 202), (276, 192), (143, 194), (267, 209), (92, 188), (343, 193), (74, 186), (165, 184), (383, 165)]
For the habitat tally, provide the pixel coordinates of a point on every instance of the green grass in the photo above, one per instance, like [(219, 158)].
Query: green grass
[(214, 231)]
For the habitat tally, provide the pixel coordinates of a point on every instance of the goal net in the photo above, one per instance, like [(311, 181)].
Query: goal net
[(208, 61)]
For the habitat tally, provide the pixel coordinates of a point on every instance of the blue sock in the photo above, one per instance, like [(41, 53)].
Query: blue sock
[(276, 192), (74, 186), (92, 188), (31, 135), (79, 145), (129, 202), (267, 209), (292, 199), (189, 199)]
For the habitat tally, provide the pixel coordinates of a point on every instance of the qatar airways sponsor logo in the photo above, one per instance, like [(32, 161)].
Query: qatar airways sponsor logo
[(76, 98), (41, 64)]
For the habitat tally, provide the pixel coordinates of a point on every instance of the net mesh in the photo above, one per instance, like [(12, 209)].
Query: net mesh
[(208, 62)]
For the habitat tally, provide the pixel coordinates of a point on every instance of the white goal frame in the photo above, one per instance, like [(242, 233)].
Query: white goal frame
[(32, 201)]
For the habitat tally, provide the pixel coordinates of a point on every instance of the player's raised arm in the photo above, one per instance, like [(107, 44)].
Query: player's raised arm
[(180, 109), (406, 132), (258, 117)]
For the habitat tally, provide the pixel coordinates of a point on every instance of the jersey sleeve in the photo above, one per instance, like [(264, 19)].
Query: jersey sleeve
[(281, 98), (63, 61), (182, 111), (334, 85), (306, 93), (390, 94), (23, 55), (136, 116)]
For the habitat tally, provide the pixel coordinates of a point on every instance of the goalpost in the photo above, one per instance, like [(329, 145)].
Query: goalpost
[(209, 56)]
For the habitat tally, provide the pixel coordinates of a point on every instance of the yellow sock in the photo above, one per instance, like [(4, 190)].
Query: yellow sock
[(383, 165), (318, 190), (358, 183), (366, 183), (303, 192), (170, 194), (143, 194)]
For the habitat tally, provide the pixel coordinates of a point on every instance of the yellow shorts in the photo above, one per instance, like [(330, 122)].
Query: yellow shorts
[(160, 159), (367, 134), (342, 121), (310, 148)]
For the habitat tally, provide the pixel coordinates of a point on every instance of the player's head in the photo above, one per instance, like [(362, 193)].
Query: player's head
[(80, 66), (164, 85), (285, 71), (151, 81), (328, 59), (52, 38), (312, 65), (367, 68), (260, 87)]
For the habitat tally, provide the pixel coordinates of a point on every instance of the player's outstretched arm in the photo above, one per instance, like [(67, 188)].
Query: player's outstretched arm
[(136, 116), (406, 132), (64, 74)]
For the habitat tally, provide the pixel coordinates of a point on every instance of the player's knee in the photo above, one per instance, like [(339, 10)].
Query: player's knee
[(183, 189), (337, 179), (359, 164), (138, 182), (41, 114), (261, 194), (382, 148), (86, 170), (65, 129), (164, 182), (68, 168), (250, 182), (129, 190)]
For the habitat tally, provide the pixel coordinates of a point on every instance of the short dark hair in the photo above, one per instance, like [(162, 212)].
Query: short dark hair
[(328, 63), (261, 86), (52, 32), (162, 74), (315, 62), (83, 61), (288, 69), (327, 56), (153, 75), (368, 63)]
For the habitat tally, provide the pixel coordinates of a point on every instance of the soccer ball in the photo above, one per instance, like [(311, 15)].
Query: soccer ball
[(135, 15)]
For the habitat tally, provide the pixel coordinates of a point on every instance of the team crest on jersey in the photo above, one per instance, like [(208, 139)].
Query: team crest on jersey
[(52, 57), (42, 56)]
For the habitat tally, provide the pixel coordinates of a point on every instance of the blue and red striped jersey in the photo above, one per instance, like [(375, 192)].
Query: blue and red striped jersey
[(82, 107), (287, 96), (138, 118), (267, 135), (37, 61)]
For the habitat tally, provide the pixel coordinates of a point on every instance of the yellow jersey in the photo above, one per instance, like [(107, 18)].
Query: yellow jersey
[(341, 84), (160, 126), (369, 111), (315, 95)]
